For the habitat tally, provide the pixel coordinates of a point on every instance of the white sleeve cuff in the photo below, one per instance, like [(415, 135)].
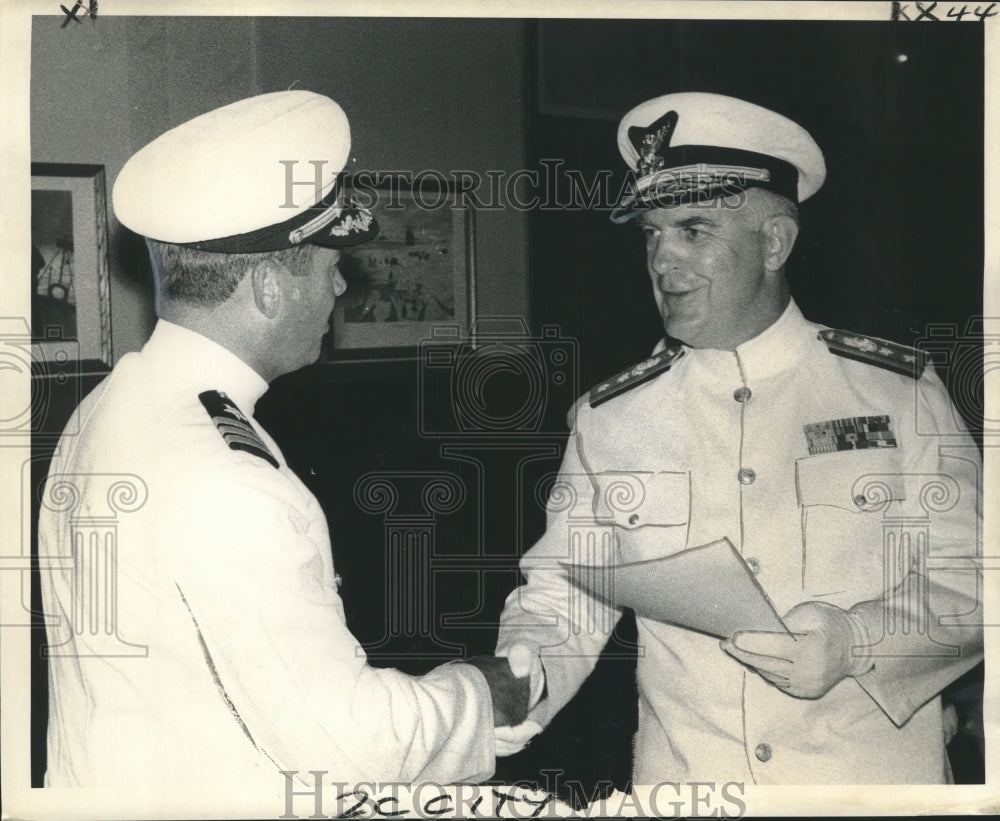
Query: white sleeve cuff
[(510, 740)]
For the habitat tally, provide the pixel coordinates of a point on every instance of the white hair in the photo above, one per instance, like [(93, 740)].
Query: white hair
[(764, 204)]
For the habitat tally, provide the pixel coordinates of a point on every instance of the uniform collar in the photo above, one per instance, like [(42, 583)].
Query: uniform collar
[(204, 364), (777, 348)]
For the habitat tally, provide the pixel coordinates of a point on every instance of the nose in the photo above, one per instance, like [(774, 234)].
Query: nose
[(339, 285), (663, 259)]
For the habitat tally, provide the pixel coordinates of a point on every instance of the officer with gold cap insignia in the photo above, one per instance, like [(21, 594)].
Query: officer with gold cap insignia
[(797, 443), (231, 662)]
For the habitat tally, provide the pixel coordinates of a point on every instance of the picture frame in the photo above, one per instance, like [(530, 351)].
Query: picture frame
[(70, 275), (418, 274)]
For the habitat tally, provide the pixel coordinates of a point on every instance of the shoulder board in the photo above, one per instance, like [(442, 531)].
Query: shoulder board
[(879, 352), (235, 428), (636, 375)]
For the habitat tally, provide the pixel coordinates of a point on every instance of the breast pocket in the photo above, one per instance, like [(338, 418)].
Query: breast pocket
[(649, 511), (849, 502)]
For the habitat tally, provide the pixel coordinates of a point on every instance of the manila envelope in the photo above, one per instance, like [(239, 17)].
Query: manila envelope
[(708, 588)]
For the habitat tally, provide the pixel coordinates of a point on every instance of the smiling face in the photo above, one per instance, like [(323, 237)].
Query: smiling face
[(716, 269)]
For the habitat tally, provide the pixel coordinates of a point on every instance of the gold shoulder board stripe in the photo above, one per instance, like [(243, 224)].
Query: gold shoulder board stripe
[(879, 352), (233, 426), (636, 375)]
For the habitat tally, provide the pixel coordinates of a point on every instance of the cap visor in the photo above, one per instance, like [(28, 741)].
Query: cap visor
[(627, 208)]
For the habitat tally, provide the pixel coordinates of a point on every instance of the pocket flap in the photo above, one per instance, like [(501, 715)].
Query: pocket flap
[(637, 499), (853, 480)]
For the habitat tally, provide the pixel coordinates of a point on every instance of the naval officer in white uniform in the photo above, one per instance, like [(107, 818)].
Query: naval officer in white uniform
[(833, 462), (222, 657)]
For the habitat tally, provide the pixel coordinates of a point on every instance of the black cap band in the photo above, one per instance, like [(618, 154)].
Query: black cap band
[(783, 178), (329, 213), (698, 173)]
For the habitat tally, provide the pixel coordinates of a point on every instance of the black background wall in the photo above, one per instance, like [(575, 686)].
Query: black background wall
[(892, 243)]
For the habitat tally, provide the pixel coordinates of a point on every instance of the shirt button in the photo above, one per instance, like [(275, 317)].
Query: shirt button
[(633, 519), (742, 394), (763, 752), (746, 476), (754, 565)]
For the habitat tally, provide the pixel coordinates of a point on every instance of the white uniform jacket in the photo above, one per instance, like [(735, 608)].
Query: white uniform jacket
[(196, 633), (716, 447)]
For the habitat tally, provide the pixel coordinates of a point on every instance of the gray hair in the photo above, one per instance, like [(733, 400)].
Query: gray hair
[(205, 278), (764, 204)]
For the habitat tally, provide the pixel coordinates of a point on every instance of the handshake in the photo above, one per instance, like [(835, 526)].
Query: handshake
[(515, 683)]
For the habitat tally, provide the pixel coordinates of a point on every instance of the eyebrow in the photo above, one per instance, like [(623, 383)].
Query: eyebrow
[(686, 222), (690, 222)]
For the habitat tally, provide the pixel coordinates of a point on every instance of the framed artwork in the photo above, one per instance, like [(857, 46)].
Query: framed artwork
[(418, 273), (70, 297)]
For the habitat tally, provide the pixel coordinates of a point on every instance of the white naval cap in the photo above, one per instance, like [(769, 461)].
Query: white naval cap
[(260, 174), (694, 145)]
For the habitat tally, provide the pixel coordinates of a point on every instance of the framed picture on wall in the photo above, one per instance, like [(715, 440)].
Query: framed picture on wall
[(417, 274), (70, 279)]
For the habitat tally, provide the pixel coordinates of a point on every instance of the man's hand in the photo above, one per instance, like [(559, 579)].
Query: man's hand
[(510, 693), (813, 659), (524, 661)]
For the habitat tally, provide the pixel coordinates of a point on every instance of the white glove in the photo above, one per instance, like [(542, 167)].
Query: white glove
[(819, 653)]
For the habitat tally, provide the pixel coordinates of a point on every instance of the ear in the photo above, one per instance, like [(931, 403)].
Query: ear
[(780, 232), (266, 287)]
